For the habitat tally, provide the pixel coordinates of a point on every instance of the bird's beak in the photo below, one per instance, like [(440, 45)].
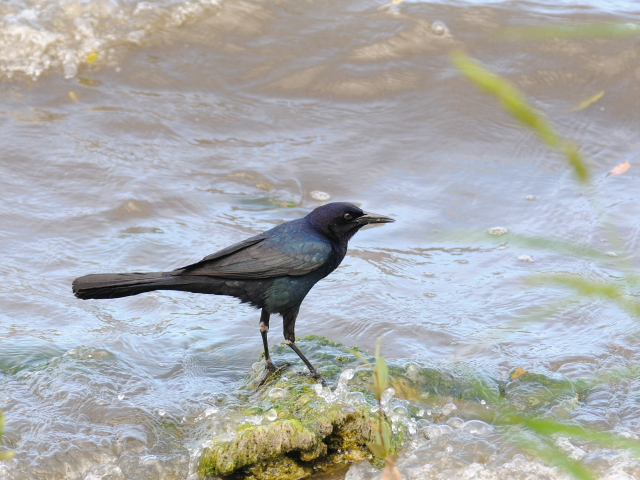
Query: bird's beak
[(369, 218)]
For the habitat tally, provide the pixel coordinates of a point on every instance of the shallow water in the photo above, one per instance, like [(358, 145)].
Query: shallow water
[(145, 135)]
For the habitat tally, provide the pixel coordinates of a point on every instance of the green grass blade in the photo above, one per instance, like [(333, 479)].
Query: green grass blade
[(516, 104), (4, 455), (549, 427), (611, 30), (358, 354), (617, 292), (381, 374), (590, 101), (553, 456)]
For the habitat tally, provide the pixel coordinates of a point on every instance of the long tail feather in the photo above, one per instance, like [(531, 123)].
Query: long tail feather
[(116, 285)]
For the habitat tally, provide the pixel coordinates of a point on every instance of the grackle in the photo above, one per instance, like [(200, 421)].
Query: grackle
[(272, 271)]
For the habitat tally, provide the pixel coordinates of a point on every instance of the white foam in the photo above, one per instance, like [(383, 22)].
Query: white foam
[(341, 393), (37, 36)]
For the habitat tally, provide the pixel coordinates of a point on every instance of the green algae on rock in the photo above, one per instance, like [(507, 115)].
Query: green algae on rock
[(308, 428), (254, 444), (292, 449), (293, 427)]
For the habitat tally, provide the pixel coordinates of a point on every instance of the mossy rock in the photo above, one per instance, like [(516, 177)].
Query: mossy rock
[(300, 429), (537, 393), (294, 449), (310, 434), (282, 468), (255, 444)]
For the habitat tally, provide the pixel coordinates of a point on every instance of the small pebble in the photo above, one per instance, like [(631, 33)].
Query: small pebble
[(525, 258), (498, 230), (530, 197), (320, 196), (612, 254), (438, 28)]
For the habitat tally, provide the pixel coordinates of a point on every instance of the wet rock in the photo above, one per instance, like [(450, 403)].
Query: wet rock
[(324, 437), (317, 429), (293, 427), (531, 392)]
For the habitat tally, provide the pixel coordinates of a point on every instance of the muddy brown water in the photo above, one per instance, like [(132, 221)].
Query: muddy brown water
[(144, 136)]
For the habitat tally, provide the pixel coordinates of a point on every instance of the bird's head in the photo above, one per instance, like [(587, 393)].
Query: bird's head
[(340, 220)]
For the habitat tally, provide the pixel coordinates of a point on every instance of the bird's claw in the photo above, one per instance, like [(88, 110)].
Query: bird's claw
[(315, 375), (272, 369)]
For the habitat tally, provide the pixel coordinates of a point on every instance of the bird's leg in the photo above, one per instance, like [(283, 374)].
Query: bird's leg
[(314, 372), (264, 329), (289, 321)]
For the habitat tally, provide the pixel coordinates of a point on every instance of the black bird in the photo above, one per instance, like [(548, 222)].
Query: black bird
[(272, 271)]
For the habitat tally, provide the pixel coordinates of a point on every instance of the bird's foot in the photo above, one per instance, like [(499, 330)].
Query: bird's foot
[(272, 369), (316, 375)]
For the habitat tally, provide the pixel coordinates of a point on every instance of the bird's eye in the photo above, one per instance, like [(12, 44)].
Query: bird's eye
[(347, 216)]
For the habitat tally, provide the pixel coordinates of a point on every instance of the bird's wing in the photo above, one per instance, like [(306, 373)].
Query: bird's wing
[(263, 257), (232, 249)]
